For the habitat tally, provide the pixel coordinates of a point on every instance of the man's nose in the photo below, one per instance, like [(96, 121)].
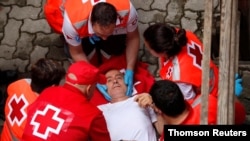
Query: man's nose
[(114, 81)]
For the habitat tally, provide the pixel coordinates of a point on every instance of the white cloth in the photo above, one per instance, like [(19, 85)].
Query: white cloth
[(187, 90), (126, 120), (69, 31)]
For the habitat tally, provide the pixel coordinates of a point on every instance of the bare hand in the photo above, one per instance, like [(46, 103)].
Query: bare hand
[(144, 100)]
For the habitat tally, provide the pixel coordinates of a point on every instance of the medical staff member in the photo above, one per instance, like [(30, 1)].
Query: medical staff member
[(180, 54), (97, 29), (23, 92), (64, 113)]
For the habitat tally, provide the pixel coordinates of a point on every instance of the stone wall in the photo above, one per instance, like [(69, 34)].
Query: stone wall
[(25, 35)]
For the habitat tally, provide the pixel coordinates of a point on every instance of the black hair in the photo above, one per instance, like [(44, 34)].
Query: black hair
[(104, 14), (168, 97), (45, 73), (163, 38)]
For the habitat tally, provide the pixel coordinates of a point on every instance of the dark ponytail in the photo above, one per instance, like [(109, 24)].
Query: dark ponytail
[(164, 38), (181, 39)]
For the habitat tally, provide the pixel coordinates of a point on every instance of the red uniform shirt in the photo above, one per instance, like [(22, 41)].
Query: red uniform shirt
[(64, 114), (20, 96), (186, 66), (78, 12)]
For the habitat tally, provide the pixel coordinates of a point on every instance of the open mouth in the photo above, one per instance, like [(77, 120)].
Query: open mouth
[(116, 85)]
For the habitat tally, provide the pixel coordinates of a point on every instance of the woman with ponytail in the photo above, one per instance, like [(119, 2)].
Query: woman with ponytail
[(180, 55)]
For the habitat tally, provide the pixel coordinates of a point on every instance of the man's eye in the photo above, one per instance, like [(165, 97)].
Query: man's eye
[(119, 77)]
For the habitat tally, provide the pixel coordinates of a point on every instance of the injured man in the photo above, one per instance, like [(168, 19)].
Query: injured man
[(128, 118)]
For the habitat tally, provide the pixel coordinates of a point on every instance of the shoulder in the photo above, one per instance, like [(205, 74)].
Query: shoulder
[(19, 83), (27, 80)]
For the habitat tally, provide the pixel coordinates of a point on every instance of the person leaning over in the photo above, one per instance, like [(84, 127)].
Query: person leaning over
[(173, 109), (97, 29), (180, 54), (21, 93), (64, 113)]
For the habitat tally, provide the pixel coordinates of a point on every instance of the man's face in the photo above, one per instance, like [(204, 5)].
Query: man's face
[(103, 31), (115, 83)]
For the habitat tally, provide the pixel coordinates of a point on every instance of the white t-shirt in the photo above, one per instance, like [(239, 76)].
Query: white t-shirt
[(72, 37), (126, 120)]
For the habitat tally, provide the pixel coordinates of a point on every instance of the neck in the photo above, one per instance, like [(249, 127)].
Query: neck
[(118, 99), (178, 119), (81, 88)]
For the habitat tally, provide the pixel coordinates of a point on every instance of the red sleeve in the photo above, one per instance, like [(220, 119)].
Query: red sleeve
[(98, 129)]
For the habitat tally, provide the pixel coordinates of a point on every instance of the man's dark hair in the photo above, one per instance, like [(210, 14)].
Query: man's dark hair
[(45, 73), (104, 14), (168, 97)]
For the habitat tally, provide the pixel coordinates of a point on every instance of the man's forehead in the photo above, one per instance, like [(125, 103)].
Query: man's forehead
[(114, 73)]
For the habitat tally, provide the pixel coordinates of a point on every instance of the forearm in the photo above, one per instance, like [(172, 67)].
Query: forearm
[(133, 43), (77, 53)]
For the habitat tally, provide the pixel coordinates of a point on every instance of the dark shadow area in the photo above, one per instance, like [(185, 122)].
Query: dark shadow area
[(6, 77)]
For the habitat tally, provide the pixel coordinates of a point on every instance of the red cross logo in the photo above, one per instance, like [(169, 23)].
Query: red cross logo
[(17, 107), (47, 121), (169, 72), (194, 50), (134, 89)]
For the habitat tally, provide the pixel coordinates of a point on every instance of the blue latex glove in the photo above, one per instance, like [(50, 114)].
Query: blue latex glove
[(128, 78), (238, 85), (103, 90), (93, 39)]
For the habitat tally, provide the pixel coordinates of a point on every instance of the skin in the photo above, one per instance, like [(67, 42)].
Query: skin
[(151, 51), (117, 89), (132, 42), (87, 90), (155, 54), (103, 31), (116, 86)]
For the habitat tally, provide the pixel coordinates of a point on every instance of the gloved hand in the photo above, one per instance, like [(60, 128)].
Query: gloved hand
[(238, 85), (128, 78), (93, 39), (103, 89)]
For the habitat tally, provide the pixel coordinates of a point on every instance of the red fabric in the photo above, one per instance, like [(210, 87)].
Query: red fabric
[(79, 12), (143, 79), (161, 137), (194, 117), (186, 66), (195, 111), (20, 96), (85, 73), (74, 118), (240, 113), (54, 14)]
